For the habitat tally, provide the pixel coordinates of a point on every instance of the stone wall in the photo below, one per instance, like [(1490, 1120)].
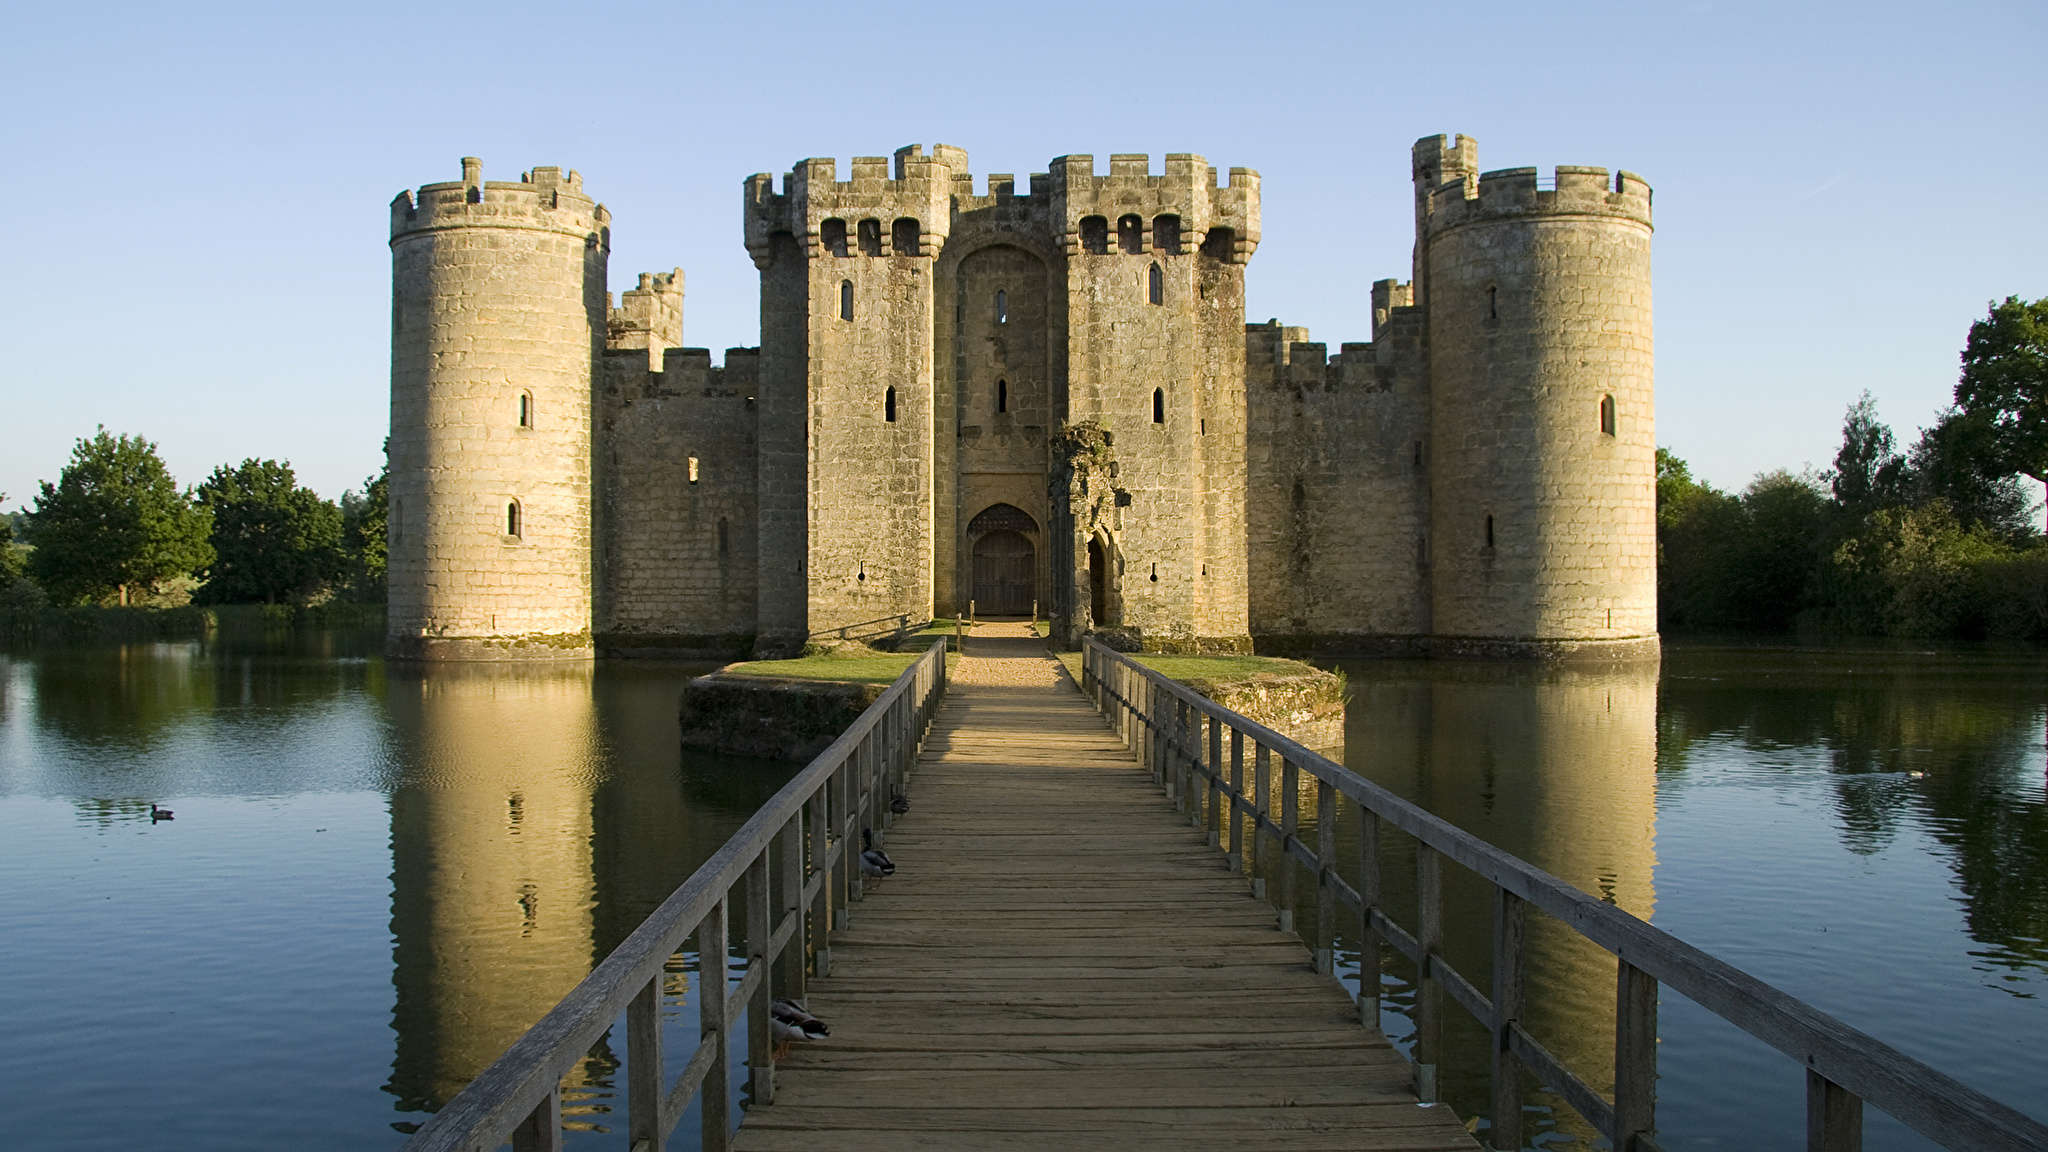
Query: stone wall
[(1540, 327), (677, 473), (498, 313)]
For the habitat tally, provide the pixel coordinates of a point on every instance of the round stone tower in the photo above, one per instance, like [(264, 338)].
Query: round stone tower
[(498, 317), (1543, 446)]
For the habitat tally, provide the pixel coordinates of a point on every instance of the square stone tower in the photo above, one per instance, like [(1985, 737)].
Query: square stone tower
[(1003, 401)]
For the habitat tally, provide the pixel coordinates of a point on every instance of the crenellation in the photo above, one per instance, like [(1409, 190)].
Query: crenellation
[(1003, 400)]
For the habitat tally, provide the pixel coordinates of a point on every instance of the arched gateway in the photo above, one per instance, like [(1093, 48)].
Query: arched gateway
[(1005, 561)]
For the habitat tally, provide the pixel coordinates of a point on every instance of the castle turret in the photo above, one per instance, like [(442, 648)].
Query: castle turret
[(1542, 462), (847, 416), (498, 316)]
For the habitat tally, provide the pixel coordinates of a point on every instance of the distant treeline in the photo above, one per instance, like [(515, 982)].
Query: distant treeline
[(1938, 540), (116, 531)]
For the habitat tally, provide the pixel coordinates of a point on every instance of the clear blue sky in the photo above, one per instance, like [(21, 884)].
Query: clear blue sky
[(198, 248)]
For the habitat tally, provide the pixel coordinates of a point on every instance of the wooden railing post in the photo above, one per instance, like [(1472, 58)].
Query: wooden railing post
[(789, 971), (1261, 843), (1510, 924), (760, 1039), (1429, 994), (645, 1092), (1215, 782), (1326, 859), (820, 924), (1368, 901), (845, 872), (716, 1094), (1635, 1056), (1290, 833), (1237, 794), (541, 1131), (1834, 1116)]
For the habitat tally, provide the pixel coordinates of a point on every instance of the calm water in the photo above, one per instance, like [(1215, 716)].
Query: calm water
[(377, 876)]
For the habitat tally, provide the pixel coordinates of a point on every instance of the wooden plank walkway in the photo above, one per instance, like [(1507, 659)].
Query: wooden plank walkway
[(1061, 962)]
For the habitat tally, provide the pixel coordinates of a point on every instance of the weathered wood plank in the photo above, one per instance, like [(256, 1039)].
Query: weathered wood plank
[(1062, 961)]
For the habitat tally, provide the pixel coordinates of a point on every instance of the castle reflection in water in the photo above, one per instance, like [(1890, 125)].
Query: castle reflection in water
[(525, 847)]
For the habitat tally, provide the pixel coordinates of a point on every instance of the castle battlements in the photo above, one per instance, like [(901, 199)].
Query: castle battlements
[(1128, 208), (648, 317), (888, 206), (1520, 193), (547, 199)]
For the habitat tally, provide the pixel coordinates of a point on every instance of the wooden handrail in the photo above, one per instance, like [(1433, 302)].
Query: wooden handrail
[(817, 815), (1163, 720)]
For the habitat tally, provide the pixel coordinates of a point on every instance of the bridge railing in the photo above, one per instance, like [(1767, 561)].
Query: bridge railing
[(1200, 752), (809, 829)]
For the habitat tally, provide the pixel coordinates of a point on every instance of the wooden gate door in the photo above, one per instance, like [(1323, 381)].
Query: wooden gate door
[(1004, 574)]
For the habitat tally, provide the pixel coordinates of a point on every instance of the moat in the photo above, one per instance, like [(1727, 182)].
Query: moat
[(376, 874)]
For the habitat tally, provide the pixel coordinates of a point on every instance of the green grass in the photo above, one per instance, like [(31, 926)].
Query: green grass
[(1221, 668), (879, 668)]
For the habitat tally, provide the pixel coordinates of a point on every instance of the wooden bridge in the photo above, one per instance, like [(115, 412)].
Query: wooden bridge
[(1060, 961), (1070, 957)]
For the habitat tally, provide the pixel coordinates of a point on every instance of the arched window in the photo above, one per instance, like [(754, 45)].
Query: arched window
[(1166, 234), (889, 404), (1159, 405), (1002, 306), (526, 409), (512, 524), (1493, 303), (1002, 395), (1095, 235), (904, 236), (846, 299), (832, 234), (693, 469), (1489, 531), (724, 538), (1158, 285), (1130, 235), (1220, 244), (871, 237), (1607, 415)]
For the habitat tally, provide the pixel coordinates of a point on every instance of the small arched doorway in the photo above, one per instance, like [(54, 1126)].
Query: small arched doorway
[(1004, 566), (1098, 583)]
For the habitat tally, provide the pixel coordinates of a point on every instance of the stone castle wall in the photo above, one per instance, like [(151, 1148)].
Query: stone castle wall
[(943, 370), (498, 314), (1541, 389)]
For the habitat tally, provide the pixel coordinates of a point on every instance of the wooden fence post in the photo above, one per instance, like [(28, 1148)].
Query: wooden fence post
[(820, 820), (1510, 925), (1290, 832), (1261, 838), (1834, 1116), (1635, 1055), (541, 1131), (789, 972), (645, 1092), (1236, 795), (1368, 900), (760, 1039), (716, 1095), (1215, 782), (1429, 994), (1326, 896)]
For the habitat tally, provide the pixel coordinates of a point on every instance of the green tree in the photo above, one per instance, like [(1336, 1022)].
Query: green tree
[(1869, 472), (1957, 462), (12, 565), (114, 522), (2005, 383), (364, 517), (274, 541)]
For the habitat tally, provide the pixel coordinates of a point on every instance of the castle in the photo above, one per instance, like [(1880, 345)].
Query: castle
[(1044, 398)]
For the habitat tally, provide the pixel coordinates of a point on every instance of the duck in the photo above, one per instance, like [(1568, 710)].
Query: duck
[(788, 1022), (156, 813), (874, 861), (898, 802)]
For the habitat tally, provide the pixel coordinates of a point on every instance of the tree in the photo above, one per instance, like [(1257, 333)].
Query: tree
[(274, 541), (1956, 462), (363, 526), (11, 563), (115, 521), (2005, 383), (1869, 473)]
